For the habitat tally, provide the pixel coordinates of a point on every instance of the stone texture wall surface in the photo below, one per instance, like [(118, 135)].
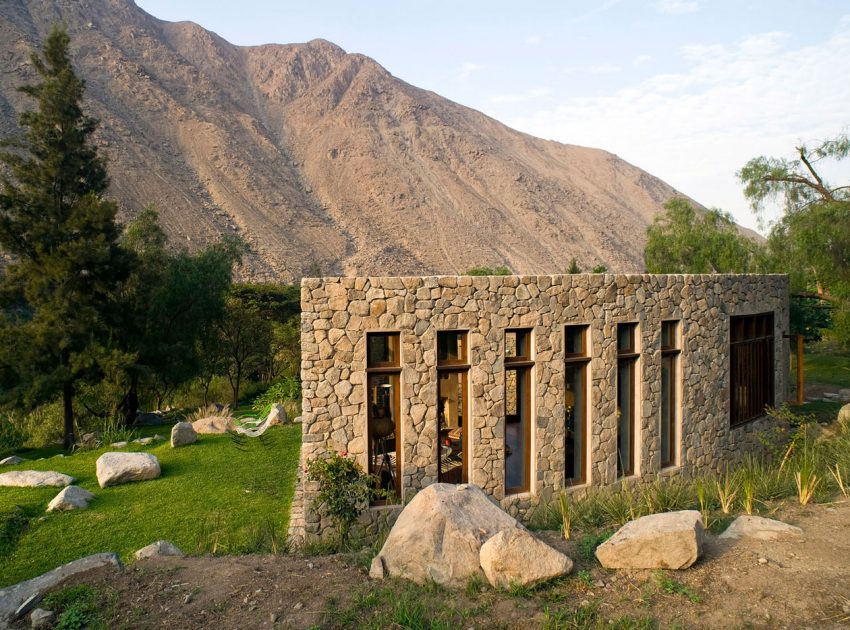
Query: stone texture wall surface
[(338, 312)]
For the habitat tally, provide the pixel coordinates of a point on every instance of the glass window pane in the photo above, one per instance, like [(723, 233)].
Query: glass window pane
[(451, 347), (450, 410), (625, 417), (511, 344), (667, 402), (382, 349), (625, 337), (516, 428), (669, 335), (382, 426), (575, 420), (574, 340)]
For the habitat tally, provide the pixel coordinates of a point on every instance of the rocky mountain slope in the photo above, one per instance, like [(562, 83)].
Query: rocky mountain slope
[(322, 160)]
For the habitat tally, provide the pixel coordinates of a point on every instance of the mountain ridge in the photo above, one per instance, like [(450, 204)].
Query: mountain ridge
[(322, 159)]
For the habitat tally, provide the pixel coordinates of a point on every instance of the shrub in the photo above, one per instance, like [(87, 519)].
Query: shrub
[(12, 436), (285, 390), (344, 490), (218, 411)]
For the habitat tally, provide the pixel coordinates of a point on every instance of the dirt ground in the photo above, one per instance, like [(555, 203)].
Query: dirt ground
[(802, 583)]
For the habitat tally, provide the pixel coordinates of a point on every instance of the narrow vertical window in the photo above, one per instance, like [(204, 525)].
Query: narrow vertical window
[(452, 414), (383, 368), (518, 367), (576, 359), (751, 356), (669, 381), (627, 357)]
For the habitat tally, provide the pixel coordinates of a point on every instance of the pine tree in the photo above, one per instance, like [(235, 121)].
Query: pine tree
[(62, 238)]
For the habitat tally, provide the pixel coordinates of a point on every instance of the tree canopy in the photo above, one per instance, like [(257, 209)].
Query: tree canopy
[(62, 237), (685, 240)]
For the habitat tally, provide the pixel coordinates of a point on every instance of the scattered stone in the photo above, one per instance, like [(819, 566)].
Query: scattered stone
[(760, 528), (297, 419), (844, 394), (71, 498), (844, 414), (149, 418), (273, 617), (183, 434), (277, 415), (516, 557), (117, 468), (15, 598), (377, 570), (159, 548), (298, 606), (40, 618), (12, 460), (121, 444), (438, 535), (672, 540), (213, 424), (762, 560), (34, 479)]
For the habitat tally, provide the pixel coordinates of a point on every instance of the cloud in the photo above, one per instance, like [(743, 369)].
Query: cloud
[(603, 68), (467, 70), (533, 40), (641, 59), (676, 7), (697, 127)]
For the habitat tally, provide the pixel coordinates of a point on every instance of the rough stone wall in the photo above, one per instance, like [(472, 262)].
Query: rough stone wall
[(338, 312)]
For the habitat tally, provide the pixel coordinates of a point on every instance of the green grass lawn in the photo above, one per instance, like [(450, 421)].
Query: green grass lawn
[(825, 368), (211, 498)]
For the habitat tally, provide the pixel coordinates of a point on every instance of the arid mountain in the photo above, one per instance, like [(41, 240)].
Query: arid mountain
[(322, 159)]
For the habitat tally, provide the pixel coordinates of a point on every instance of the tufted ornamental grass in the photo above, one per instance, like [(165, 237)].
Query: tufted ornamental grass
[(211, 498)]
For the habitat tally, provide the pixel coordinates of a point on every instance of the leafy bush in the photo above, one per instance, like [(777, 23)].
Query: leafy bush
[(217, 411), (498, 270), (12, 436), (344, 490), (285, 390)]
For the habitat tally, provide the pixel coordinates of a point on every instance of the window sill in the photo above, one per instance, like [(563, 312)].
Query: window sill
[(525, 494)]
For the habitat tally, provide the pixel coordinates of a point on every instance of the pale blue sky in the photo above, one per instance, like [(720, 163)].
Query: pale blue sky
[(686, 89)]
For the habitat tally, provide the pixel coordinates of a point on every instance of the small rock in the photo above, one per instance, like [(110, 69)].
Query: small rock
[(298, 606), (273, 618), (12, 460), (144, 441), (71, 498), (40, 618), (121, 444), (600, 584), (277, 415), (517, 557), (187, 599), (183, 434), (760, 528), (845, 609), (159, 548), (377, 570), (762, 560), (844, 414), (214, 424)]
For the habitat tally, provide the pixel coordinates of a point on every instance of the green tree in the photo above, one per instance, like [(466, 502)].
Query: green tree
[(812, 238), (599, 269), (62, 238), (683, 240), (171, 300), (245, 340), (573, 268)]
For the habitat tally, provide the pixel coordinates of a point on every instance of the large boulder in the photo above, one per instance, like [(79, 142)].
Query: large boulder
[(760, 528), (12, 460), (158, 548), (117, 468), (672, 540), (844, 414), (35, 479), (182, 434), (438, 535), (71, 498), (516, 557), (214, 424)]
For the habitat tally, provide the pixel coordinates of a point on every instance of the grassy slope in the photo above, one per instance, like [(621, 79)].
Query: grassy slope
[(210, 497)]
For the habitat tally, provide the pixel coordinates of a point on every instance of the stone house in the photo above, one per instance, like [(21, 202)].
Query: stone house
[(527, 385)]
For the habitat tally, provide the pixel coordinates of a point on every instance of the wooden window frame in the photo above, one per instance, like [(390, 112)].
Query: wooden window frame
[(384, 368), (524, 367), (630, 356), (581, 360), (462, 365), (673, 352), (752, 354)]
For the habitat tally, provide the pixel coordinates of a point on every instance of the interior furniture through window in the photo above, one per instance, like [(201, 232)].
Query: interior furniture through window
[(383, 369), (518, 371), (577, 360), (452, 406)]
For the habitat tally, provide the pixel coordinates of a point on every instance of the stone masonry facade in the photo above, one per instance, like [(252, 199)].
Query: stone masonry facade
[(337, 313)]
